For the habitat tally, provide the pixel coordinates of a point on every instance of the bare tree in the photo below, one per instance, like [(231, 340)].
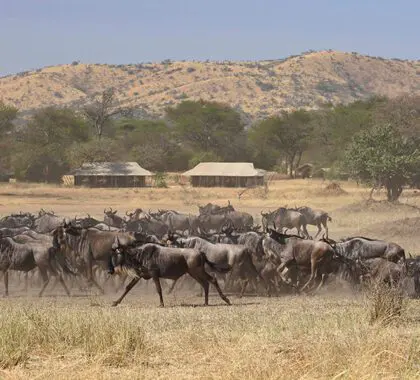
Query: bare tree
[(99, 112)]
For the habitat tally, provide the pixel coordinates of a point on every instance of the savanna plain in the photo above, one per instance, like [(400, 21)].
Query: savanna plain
[(328, 335)]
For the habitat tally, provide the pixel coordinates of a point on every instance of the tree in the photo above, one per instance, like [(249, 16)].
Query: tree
[(209, 127), (100, 111), (149, 142), (382, 156), (7, 116), (283, 137), (43, 145)]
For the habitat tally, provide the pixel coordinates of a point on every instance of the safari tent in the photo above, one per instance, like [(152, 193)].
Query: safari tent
[(225, 174), (111, 174)]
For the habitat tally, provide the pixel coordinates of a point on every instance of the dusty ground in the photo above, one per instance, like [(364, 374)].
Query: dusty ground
[(323, 336)]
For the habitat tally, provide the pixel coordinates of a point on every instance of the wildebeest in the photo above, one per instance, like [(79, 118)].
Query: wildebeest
[(137, 214), (88, 246), (212, 209), (381, 270), (295, 251), (30, 254), (47, 222), (366, 248), (17, 220), (9, 232), (179, 222), (153, 261), (286, 218), (112, 219), (230, 255), (316, 218)]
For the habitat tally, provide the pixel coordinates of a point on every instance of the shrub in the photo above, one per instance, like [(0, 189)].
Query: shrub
[(386, 303), (265, 86), (160, 180)]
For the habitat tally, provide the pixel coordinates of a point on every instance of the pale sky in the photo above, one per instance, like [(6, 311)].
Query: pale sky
[(36, 33)]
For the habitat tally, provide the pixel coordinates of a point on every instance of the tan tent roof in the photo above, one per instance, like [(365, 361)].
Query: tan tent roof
[(224, 169), (111, 169)]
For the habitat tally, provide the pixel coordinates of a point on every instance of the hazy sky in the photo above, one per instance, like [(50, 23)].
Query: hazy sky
[(36, 33)]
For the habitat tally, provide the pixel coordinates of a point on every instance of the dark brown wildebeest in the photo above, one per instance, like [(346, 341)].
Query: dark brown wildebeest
[(292, 250), (154, 261), (88, 246)]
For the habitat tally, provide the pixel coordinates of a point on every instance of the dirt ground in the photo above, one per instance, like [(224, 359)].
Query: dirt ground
[(327, 335)]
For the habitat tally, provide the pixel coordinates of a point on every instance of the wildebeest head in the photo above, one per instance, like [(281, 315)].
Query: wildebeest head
[(109, 213)]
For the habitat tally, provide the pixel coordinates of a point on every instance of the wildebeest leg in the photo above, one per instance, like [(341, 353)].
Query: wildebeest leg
[(159, 290), (6, 282), (90, 278), (130, 286), (214, 282), (324, 276), (325, 224), (244, 285), (319, 229), (45, 281), (313, 274), (62, 282), (305, 231), (26, 277), (172, 286)]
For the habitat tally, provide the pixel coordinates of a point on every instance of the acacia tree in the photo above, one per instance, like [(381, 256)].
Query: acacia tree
[(286, 136), (382, 156), (209, 127), (7, 116), (42, 147)]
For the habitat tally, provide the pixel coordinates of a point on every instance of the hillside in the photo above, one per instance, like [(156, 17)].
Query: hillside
[(257, 88)]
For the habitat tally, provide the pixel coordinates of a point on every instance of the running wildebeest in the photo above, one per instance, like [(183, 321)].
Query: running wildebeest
[(230, 255), (292, 250), (285, 218), (316, 218), (31, 254), (154, 261), (88, 246), (366, 248)]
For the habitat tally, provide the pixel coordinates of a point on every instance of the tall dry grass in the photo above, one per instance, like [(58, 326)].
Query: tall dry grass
[(285, 338)]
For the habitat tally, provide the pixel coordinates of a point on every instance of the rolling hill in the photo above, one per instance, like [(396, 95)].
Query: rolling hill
[(257, 88)]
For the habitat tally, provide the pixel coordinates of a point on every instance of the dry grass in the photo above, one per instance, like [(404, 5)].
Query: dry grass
[(259, 88), (283, 338), (306, 337)]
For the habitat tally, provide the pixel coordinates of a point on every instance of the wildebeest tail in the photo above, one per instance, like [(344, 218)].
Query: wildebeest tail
[(221, 268)]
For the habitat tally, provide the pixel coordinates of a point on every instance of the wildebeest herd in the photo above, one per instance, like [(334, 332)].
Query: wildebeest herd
[(219, 245)]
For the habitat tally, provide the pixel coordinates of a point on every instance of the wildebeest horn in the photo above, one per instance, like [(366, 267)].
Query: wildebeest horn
[(104, 210)]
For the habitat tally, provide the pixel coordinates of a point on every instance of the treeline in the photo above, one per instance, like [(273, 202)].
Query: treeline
[(345, 137)]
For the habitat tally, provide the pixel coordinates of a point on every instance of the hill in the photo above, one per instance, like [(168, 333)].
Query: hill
[(258, 88)]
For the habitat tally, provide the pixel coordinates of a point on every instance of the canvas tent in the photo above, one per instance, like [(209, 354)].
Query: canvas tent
[(225, 174), (111, 174)]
